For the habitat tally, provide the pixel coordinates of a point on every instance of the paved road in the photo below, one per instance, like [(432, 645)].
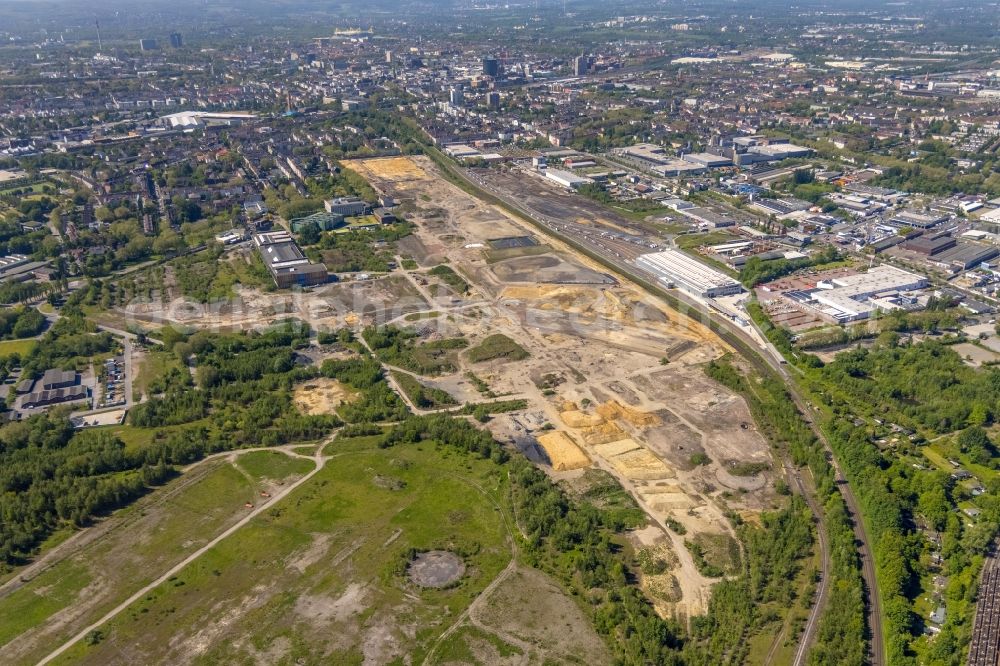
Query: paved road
[(767, 361)]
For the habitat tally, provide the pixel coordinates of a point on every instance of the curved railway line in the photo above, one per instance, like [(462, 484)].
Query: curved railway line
[(767, 361)]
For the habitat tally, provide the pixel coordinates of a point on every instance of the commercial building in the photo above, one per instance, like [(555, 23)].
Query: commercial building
[(707, 160), (491, 67), (855, 297), (176, 40), (929, 245), (285, 261), (57, 379), (493, 100), (323, 220), (964, 256), (194, 119), (654, 159), (10, 262), (456, 97), (55, 387), (346, 206), (676, 269), (567, 179), (581, 64), (43, 398), (147, 45), (916, 220)]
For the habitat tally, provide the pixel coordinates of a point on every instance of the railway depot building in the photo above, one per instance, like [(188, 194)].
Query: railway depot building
[(676, 269)]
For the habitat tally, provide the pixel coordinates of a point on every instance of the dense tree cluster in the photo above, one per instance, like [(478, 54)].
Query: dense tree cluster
[(22, 322), (400, 347), (50, 477), (924, 385), (840, 638), (757, 271)]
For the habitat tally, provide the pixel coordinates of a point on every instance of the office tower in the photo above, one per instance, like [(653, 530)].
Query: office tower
[(580, 65), (147, 44), (176, 40), (456, 97), (493, 100), (491, 67)]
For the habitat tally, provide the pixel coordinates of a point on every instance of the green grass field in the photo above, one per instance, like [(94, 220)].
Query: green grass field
[(22, 347), (144, 540), (321, 578), (137, 438)]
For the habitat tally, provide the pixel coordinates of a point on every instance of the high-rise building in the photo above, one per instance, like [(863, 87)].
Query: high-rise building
[(388, 57), (580, 65), (147, 45), (176, 40), (456, 97), (491, 67), (493, 99)]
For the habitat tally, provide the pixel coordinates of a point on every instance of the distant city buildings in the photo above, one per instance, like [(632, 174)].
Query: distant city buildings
[(491, 67), (176, 40)]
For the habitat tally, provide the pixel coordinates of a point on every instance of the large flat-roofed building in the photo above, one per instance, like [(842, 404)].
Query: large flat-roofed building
[(781, 151), (930, 246), (346, 206), (285, 261), (12, 261), (916, 220), (707, 160), (855, 297), (964, 256), (567, 179), (673, 268)]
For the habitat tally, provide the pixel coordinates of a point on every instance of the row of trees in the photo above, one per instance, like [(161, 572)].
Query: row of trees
[(840, 639)]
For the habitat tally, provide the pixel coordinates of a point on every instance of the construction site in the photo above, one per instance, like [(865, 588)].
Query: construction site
[(612, 377)]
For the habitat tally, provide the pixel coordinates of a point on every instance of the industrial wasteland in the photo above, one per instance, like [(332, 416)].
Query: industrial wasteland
[(446, 332)]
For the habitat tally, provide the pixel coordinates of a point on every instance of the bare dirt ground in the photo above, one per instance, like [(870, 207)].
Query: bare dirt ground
[(436, 568), (321, 396), (594, 377), (530, 611), (667, 433)]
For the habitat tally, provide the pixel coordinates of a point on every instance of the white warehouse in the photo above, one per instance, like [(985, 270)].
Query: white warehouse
[(676, 268), (566, 179), (855, 297)]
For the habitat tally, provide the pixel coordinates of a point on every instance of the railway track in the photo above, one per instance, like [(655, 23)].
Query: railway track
[(764, 361), (984, 650)]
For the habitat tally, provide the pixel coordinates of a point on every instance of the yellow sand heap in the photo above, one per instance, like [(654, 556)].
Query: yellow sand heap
[(641, 465), (574, 418), (617, 448), (601, 434), (613, 410), (666, 500), (562, 451)]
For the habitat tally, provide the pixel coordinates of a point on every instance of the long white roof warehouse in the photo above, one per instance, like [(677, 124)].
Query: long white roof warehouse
[(671, 266)]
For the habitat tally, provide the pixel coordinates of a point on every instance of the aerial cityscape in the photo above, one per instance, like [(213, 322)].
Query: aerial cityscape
[(464, 332)]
